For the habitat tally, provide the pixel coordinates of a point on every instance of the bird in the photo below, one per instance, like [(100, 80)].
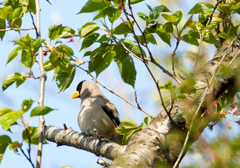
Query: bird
[(98, 117)]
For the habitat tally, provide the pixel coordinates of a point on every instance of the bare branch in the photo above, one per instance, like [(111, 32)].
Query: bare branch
[(75, 139), (43, 78), (95, 80), (18, 29), (29, 159)]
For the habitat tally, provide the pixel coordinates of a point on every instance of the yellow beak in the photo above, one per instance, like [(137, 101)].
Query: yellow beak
[(75, 95)]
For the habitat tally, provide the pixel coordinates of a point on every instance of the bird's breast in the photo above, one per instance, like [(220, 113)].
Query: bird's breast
[(93, 120)]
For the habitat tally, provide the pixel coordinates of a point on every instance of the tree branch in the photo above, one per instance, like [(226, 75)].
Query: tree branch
[(42, 86), (75, 139), (18, 29)]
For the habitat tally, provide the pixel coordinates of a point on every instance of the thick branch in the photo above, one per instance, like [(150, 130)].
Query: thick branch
[(75, 139)]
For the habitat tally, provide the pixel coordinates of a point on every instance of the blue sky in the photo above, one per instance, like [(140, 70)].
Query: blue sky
[(64, 12)]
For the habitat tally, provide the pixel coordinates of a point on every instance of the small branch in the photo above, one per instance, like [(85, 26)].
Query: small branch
[(152, 61), (95, 80), (43, 78), (34, 22), (151, 58), (103, 162), (18, 29), (29, 159), (29, 142), (200, 43), (135, 94), (173, 57), (200, 104)]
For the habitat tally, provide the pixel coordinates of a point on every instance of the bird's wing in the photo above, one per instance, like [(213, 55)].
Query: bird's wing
[(112, 113)]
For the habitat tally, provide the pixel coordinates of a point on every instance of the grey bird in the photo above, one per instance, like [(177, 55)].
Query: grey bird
[(97, 115)]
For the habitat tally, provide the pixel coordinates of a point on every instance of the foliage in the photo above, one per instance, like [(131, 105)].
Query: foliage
[(116, 44)]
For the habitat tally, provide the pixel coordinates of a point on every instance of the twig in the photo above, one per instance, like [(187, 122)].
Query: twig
[(34, 22), (27, 157), (18, 29), (200, 43), (29, 142), (173, 57), (203, 97), (42, 86), (109, 89), (135, 94), (234, 58), (151, 57), (152, 61), (103, 162)]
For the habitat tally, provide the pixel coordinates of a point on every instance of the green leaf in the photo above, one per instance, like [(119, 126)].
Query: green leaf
[(37, 44), (94, 5), (89, 40), (17, 22), (32, 6), (10, 118), (161, 8), (196, 9), (127, 70), (149, 38), (143, 16), (43, 110), (122, 28), (26, 104), (13, 54), (103, 39), (191, 37), (33, 134), (135, 1), (97, 55), (147, 121), (168, 86), (223, 35), (4, 142), (112, 13), (58, 31), (88, 28), (105, 62), (48, 66), (209, 38), (4, 110), (121, 51), (136, 50), (64, 79), (127, 128), (13, 146), (9, 80), (3, 12), (27, 59), (204, 14), (21, 80), (2, 26), (17, 13), (65, 49), (187, 86), (174, 18), (165, 37)]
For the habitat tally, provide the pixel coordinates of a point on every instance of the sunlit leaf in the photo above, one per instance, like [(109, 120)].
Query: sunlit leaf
[(43, 110)]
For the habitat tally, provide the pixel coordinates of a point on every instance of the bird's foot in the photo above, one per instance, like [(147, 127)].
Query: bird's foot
[(99, 137)]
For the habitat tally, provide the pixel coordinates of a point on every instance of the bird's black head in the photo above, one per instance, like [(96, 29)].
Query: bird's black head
[(79, 86)]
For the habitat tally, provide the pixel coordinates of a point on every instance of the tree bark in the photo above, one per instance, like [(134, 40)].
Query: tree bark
[(161, 143)]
